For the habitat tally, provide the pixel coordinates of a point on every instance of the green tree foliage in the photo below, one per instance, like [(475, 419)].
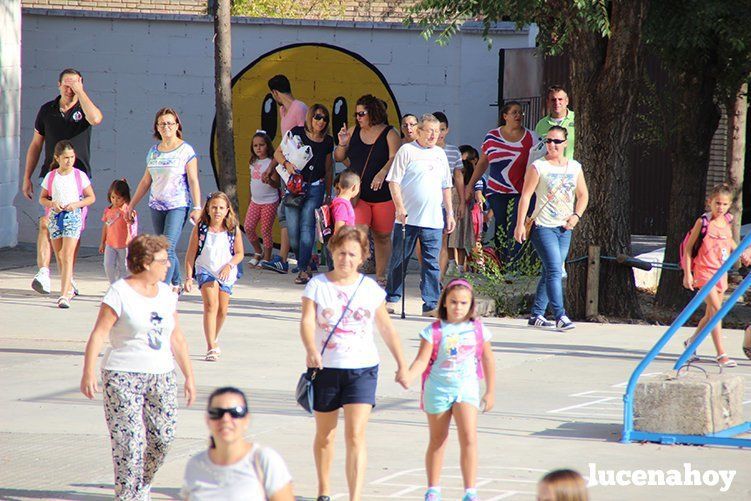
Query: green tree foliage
[(291, 9)]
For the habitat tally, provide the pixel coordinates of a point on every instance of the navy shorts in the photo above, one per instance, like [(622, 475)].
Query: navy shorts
[(334, 388)]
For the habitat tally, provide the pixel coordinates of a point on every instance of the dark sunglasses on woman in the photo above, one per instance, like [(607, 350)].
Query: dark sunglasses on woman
[(321, 117), (234, 412), (556, 141)]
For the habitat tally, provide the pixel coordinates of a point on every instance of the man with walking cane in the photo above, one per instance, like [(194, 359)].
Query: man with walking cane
[(420, 184)]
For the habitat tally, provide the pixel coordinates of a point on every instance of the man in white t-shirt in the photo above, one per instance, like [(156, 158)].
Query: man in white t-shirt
[(420, 184)]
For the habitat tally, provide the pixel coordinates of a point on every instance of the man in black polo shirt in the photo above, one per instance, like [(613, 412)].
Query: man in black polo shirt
[(69, 116)]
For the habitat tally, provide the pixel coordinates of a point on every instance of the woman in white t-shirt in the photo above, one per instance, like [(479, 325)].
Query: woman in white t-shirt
[(66, 193), (350, 304), (172, 175), (557, 182), (234, 469), (138, 378)]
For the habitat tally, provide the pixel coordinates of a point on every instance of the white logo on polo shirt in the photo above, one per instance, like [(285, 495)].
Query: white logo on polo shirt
[(77, 116)]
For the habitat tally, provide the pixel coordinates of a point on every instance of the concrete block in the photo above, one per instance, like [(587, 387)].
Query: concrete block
[(692, 404)]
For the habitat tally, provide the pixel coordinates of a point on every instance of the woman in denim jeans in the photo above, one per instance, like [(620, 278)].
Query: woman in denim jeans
[(317, 175), (562, 197), (172, 175)]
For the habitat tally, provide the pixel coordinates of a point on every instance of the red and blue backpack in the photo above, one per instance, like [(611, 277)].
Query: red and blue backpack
[(437, 336)]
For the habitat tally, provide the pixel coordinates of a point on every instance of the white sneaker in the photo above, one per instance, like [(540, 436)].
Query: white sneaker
[(564, 324), (63, 302), (41, 282)]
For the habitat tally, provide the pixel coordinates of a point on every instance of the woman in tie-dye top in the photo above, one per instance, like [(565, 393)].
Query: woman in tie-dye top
[(172, 175)]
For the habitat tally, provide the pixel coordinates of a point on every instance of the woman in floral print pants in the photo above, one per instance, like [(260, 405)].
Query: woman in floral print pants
[(140, 388)]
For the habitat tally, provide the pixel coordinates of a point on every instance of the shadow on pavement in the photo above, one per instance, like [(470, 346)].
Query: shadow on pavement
[(608, 432)]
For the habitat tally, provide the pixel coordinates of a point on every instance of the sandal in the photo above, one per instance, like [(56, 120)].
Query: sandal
[(302, 278), (693, 357), (747, 342), (255, 260), (213, 355), (728, 363), (381, 282)]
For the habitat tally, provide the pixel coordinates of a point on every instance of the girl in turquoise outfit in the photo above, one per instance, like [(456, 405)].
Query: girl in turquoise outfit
[(454, 353)]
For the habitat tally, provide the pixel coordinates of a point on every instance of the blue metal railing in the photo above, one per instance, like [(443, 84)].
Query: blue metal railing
[(720, 438)]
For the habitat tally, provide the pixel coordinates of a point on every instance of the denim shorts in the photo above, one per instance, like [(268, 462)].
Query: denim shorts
[(204, 278), (334, 388), (65, 224)]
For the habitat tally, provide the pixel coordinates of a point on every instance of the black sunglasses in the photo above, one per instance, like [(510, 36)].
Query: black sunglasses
[(234, 412), (361, 113), (556, 141), (321, 117)]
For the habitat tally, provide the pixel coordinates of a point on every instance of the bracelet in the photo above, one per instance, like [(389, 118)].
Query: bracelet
[(196, 207), (577, 215), (340, 145)]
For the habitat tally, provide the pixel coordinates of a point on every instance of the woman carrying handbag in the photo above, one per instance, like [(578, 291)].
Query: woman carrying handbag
[(562, 197), (339, 311)]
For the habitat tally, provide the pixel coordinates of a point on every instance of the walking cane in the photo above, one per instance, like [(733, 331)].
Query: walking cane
[(404, 261)]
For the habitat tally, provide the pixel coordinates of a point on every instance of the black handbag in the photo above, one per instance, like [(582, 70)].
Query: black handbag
[(291, 200), (304, 390)]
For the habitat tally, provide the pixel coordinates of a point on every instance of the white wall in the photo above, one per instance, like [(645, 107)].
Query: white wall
[(133, 64), (10, 117)]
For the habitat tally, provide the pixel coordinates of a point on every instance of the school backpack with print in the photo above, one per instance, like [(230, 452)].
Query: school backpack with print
[(324, 223), (702, 233), (79, 184), (437, 335), (203, 230)]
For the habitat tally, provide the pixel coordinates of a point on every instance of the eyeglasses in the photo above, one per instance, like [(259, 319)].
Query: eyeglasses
[(361, 114), (556, 141), (237, 412), (166, 124), (321, 117), (162, 261)]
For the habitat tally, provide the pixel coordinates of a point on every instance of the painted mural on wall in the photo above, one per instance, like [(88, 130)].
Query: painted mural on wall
[(318, 73)]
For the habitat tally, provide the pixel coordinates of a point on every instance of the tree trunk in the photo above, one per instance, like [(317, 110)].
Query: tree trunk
[(695, 121), (737, 107), (605, 83), (223, 93)]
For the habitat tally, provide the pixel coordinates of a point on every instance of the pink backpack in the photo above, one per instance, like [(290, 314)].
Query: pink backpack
[(437, 336), (697, 245), (79, 184)]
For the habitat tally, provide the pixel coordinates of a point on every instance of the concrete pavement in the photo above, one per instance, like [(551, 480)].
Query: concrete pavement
[(558, 401)]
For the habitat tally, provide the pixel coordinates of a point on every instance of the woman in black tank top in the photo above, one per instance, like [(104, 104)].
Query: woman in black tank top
[(371, 146)]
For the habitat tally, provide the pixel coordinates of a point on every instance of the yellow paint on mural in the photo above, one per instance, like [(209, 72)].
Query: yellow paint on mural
[(318, 74)]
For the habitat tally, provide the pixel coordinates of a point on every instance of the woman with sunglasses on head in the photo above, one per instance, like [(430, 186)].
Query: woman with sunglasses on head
[(506, 152), (371, 146), (172, 175), (139, 314), (317, 175), (234, 469), (562, 198)]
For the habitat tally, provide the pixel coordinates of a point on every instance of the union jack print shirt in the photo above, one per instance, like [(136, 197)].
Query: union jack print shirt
[(507, 160)]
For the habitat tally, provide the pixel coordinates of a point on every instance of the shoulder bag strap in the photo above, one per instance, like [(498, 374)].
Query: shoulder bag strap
[(342, 316), (258, 469)]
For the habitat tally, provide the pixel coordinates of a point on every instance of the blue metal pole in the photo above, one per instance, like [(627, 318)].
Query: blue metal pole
[(628, 411)]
